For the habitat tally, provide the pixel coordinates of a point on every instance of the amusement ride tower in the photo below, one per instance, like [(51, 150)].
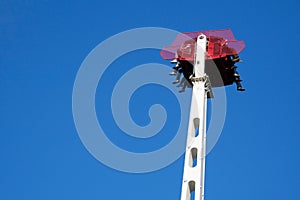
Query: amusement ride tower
[(194, 164), (193, 58)]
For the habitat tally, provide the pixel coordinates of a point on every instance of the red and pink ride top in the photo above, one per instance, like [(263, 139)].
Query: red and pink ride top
[(220, 43)]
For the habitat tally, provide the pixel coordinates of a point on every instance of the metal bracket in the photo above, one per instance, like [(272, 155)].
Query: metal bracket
[(208, 87), (199, 79)]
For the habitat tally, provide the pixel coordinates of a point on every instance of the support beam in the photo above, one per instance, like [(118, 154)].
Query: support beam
[(194, 164)]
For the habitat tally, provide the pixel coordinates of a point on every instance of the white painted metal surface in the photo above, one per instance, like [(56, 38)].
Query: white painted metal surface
[(194, 164)]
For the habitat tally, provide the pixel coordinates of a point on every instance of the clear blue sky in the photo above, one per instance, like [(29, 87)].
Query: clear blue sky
[(42, 45)]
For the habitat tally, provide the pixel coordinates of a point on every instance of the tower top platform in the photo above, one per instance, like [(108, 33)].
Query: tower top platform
[(220, 43)]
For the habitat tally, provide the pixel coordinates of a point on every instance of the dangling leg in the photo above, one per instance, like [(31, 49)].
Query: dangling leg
[(236, 58), (177, 78), (184, 85), (173, 73), (239, 86), (181, 82), (176, 68), (179, 72), (238, 80)]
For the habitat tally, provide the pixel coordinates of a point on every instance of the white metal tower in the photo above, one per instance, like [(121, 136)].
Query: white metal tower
[(194, 164)]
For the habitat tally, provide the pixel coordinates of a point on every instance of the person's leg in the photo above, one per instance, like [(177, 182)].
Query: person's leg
[(236, 58), (176, 68), (173, 73), (181, 82), (238, 81), (184, 86), (179, 72)]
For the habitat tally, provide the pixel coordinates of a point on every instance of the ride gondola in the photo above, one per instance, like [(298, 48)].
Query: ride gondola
[(222, 51)]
